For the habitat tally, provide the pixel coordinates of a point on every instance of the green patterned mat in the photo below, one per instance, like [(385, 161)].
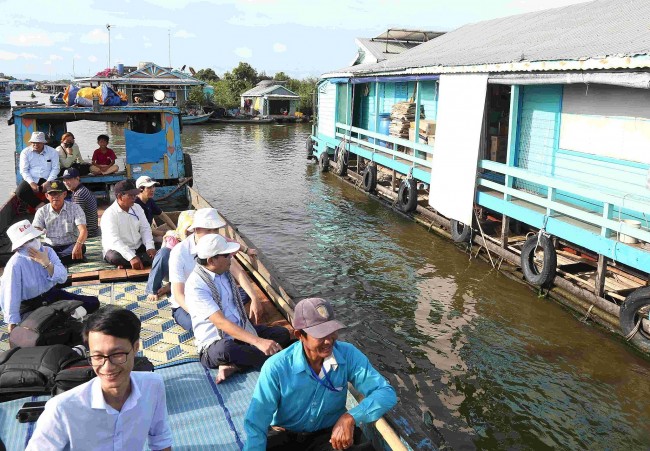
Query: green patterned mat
[(162, 340), (94, 256)]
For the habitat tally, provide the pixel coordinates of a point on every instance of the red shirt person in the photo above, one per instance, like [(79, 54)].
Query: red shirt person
[(103, 161)]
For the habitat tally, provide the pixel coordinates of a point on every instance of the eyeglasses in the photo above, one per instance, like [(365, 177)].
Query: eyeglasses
[(117, 358)]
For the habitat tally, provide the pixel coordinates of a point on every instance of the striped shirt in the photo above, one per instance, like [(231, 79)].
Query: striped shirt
[(86, 200), (60, 228)]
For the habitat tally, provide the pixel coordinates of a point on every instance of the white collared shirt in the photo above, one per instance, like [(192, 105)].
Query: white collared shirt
[(80, 419), (124, 232), (181, 263), (35, 166)]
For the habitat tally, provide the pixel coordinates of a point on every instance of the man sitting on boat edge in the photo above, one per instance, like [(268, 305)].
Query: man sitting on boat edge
[(39, 165), (31, 275), (126, 234), (64, 224), (301, 391), (120, 408), (225, 336), (84, 198)]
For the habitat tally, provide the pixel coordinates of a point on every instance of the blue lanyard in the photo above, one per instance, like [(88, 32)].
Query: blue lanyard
[(327, 382), (131, 212)]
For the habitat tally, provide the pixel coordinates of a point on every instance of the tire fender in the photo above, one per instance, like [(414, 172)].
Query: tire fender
[(189, 171), (370, 178), (407, 197), (544, 276), (309, 146), (628, 317), (460, 233), (324, 161), (342, 157)]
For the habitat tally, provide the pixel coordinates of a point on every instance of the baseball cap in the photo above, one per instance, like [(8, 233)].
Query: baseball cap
[(70, 173), (126, 186), (315, 316), (145, 181)]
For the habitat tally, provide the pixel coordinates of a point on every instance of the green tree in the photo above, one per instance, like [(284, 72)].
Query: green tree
[(281, 76), (245, 72), (197, 96), (207, 75), (306, 93)]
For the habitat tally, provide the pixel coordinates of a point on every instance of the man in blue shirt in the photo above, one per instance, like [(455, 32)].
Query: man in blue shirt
[(301, 391)]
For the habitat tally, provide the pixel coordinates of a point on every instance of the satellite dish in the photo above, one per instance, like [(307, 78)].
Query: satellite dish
[(159, 95)]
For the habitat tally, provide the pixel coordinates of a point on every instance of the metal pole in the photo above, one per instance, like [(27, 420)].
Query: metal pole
[(169, 46)]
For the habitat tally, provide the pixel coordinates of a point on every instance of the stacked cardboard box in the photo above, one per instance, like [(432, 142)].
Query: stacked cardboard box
[(401, 116), (499, 148)]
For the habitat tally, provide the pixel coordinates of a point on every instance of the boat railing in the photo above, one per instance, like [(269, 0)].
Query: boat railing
[(605, 219), (399, 154)]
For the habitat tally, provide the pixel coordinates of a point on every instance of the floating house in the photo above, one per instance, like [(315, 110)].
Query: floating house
[(141, 83), (541, 120), (389, 44), (270, 98), (5, 93)]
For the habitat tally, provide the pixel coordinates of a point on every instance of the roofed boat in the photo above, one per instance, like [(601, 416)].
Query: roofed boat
[(202, 414)]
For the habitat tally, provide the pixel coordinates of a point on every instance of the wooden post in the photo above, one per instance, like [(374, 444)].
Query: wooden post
[(505, 231), (601, 274), (393, 183)]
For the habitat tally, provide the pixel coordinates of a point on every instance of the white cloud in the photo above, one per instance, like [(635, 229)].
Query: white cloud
[(55, 57), (147, 45), (96, 36), (77, 56), (92, 58), (243, 52), (279, 48), (28, 56), (37, 39), (119, 37), (67, 49), (184, 34), (47, 63), (11, 56)]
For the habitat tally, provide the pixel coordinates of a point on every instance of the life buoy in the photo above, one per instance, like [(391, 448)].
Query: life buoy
[(189, 171), (539, 276), (309, 145), (630, 315), (324, 161), (370, 178), (460, 233), (407, 196)]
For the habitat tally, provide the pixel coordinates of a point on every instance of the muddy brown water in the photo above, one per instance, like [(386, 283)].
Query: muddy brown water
[(477, 355)]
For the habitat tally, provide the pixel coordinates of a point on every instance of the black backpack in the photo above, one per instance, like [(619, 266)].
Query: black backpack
[(32, 371), (80, 371), (48, 325)]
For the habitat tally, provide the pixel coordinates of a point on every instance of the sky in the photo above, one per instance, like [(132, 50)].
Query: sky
[(55, 39)]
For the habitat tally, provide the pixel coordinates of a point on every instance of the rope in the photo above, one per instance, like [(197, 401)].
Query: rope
[(588, 314), (633, 332), (484, 240), (183, 183)]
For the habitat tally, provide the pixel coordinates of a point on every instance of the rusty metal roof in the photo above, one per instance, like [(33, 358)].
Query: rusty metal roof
[(602, 34)]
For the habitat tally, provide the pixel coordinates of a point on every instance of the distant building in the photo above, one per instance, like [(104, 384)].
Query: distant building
[(270, 98), (139, 83), (389, 44)]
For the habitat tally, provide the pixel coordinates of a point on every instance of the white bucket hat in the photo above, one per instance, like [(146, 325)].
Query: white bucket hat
[(207, 218), (214, 244), (145, 181), (38, 137), (21, 232)]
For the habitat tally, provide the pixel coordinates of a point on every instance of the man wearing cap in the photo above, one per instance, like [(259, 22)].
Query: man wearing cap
[(64, 224), (182, 261), (301, 391), (126, 235), (31, 275), (39, 164), (225, 336), (84, 198), (147, 187)]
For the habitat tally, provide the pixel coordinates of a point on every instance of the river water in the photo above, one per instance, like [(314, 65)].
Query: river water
[(494, 366)]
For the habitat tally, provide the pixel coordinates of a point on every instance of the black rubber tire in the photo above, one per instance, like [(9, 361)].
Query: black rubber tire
[(309, 146), (370, 178), (189, 171), (324, 162), (628, 317), (541, 277), (407, 196), (460, 233), (341, 158)]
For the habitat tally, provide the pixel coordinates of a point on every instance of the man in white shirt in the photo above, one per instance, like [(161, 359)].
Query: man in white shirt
[(119, 409), (182, 261), (39, 165), (225, 337), (127, 241)]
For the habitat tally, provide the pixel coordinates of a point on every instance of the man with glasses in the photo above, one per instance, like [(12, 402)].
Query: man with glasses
[(225, 336), (64, 224), (119, 409), (301, 391), (126, 235)]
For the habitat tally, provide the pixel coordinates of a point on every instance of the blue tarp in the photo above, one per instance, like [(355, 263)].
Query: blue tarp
[(144, 147)]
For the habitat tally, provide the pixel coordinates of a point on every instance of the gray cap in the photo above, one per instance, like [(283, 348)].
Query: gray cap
[(315, 316)]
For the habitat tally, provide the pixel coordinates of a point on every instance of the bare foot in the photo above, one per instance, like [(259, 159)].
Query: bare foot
[(152, 298), (225, 371)]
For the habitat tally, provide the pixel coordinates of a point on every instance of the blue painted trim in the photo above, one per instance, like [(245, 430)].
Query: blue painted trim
[(399, 78), (607, 247), (226, 412), (558, 123), (628, 163)]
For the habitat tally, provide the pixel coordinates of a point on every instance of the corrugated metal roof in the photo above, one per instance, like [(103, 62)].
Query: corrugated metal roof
[(587, 31), (383, 50), (259, 91)]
